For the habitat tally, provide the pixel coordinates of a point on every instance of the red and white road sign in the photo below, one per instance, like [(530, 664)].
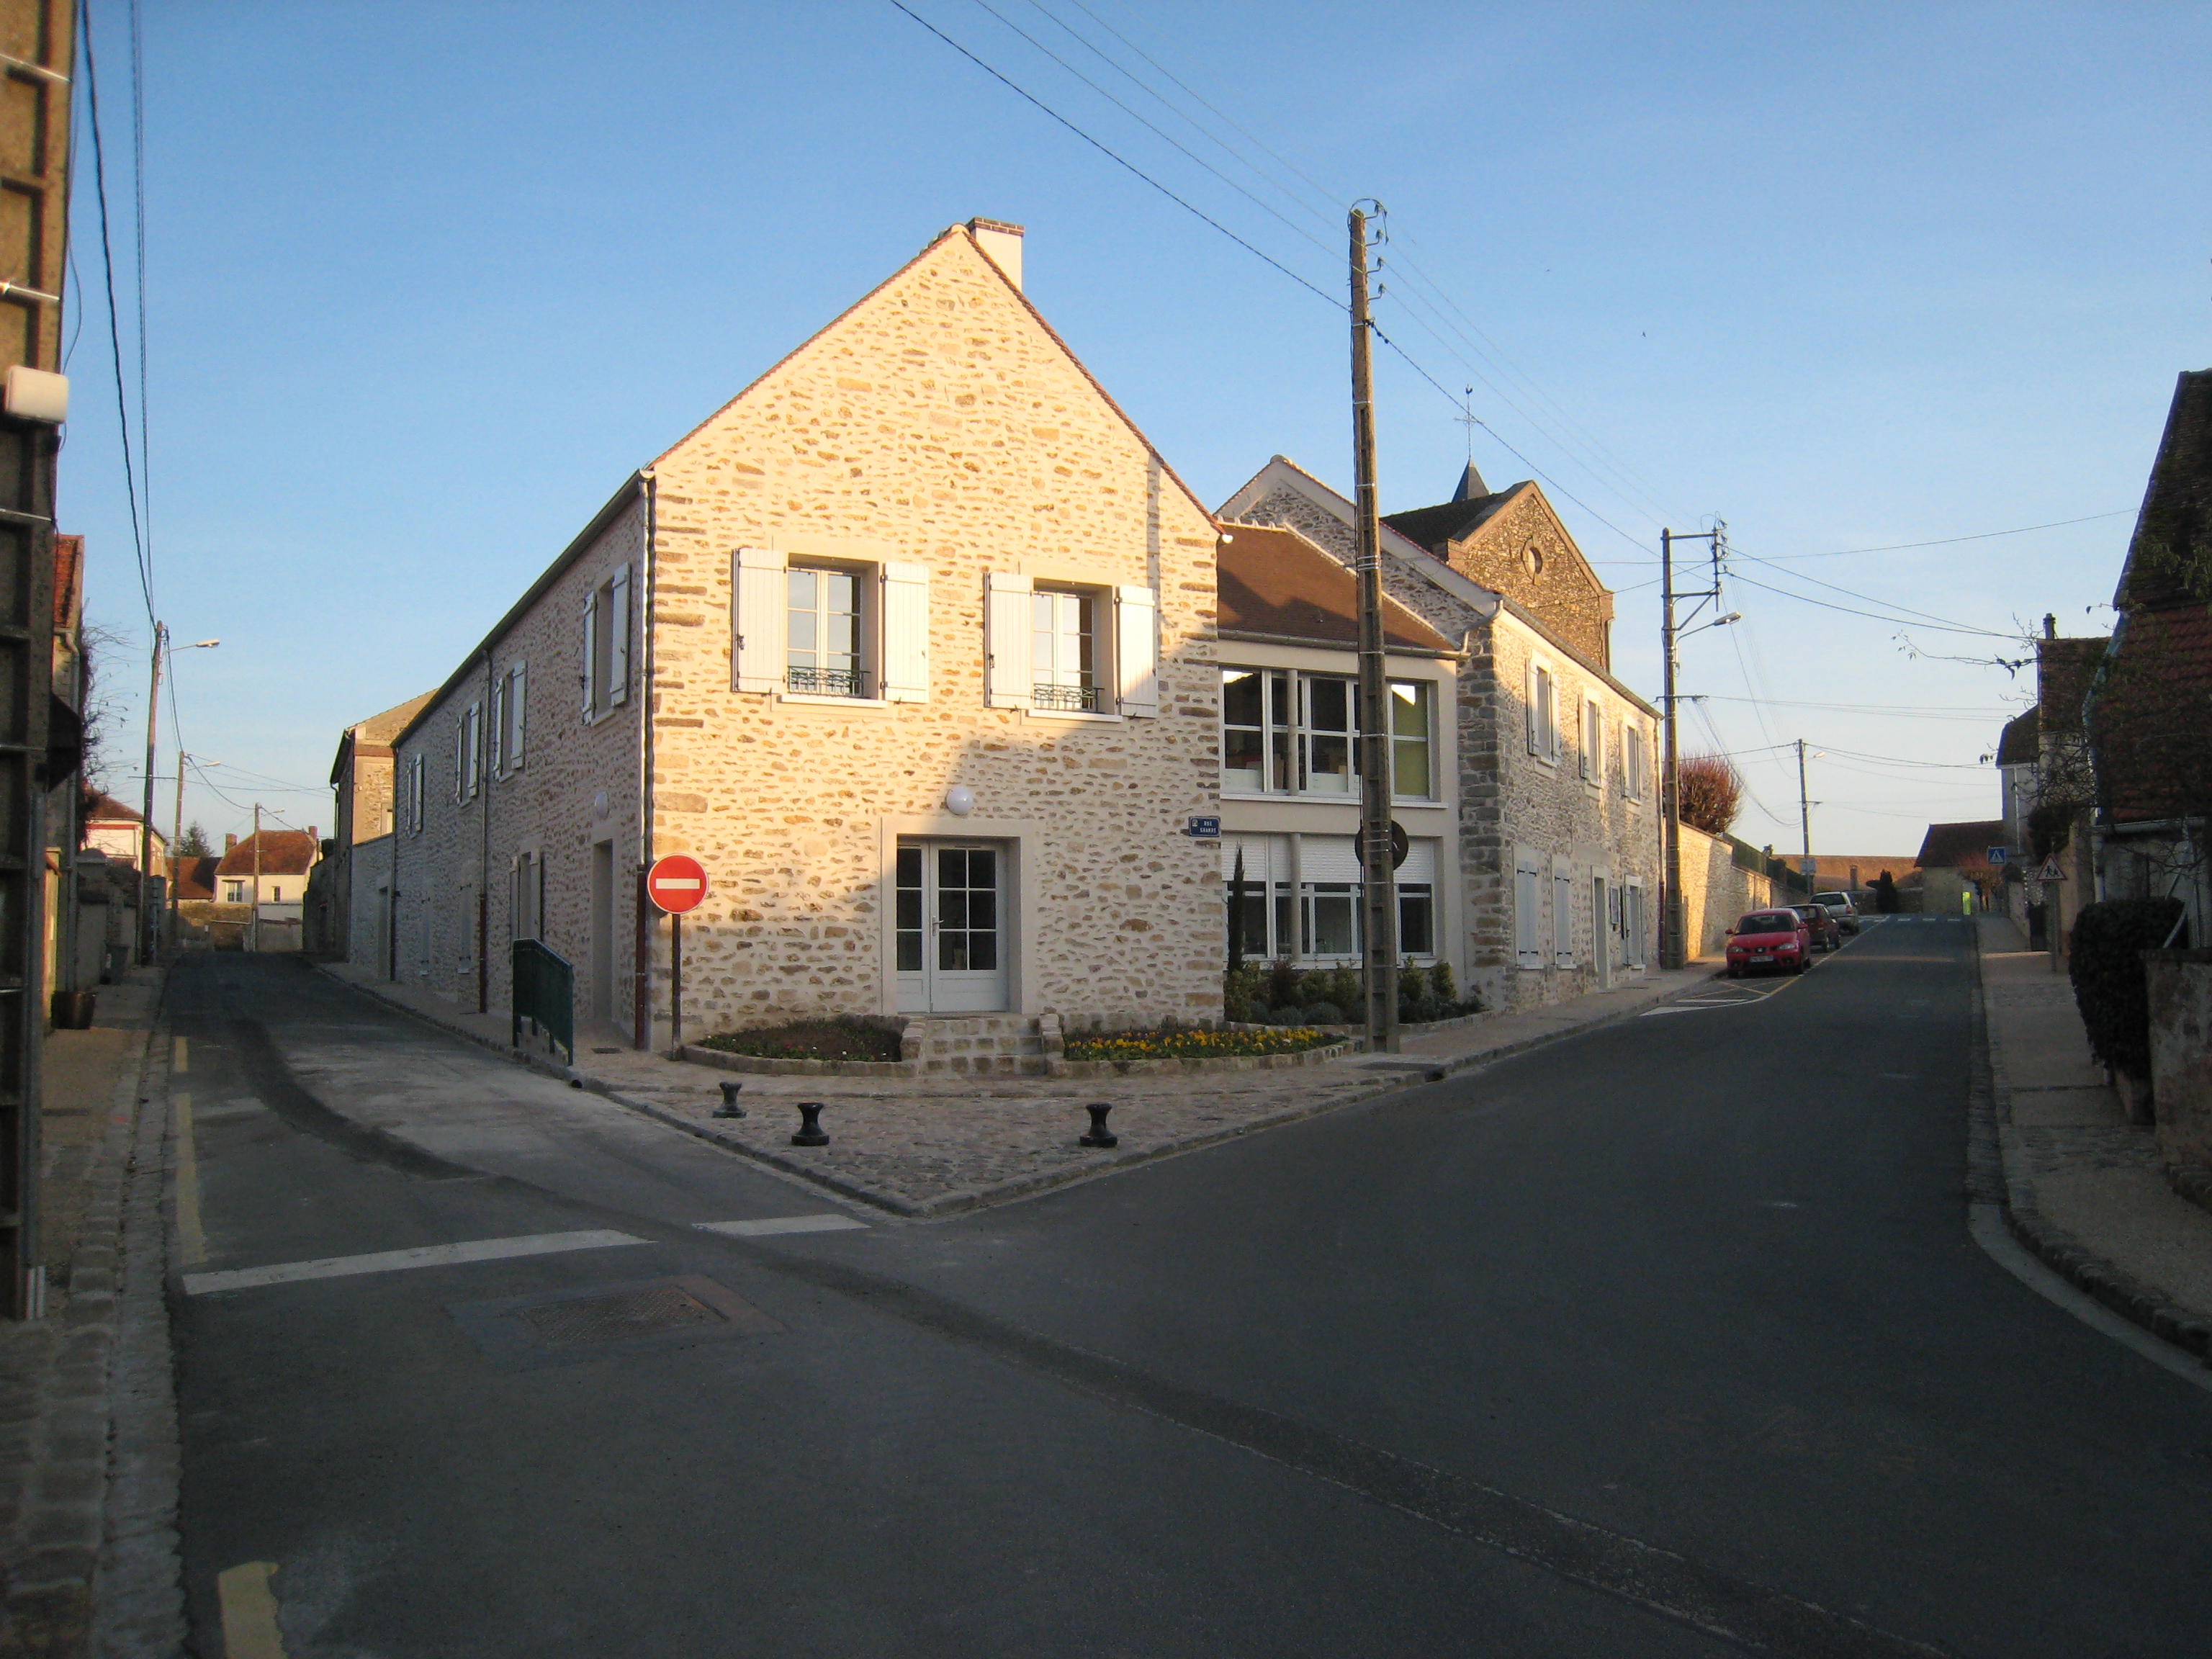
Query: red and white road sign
[(677, 883)]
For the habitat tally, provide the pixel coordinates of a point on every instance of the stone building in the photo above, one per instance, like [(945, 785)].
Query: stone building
[(910, 643), (1548, 872), (351, 882)]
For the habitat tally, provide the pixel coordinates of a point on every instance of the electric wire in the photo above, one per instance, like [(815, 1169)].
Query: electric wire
[(1901, 622), (138, 248), (1949, 541), (114, 333)]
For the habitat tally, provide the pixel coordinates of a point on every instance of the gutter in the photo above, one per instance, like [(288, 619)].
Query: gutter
[(646, 693)]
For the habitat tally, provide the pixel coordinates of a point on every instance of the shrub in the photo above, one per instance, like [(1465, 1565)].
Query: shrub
[(1287, 1015), (1420, 1010), (1191, 1045), (1283, 984), (842, 1038), (2105, 964), (1324, 1013), (1441, 985)]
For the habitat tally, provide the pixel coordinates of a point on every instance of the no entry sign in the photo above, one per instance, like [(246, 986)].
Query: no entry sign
[(677, 883)]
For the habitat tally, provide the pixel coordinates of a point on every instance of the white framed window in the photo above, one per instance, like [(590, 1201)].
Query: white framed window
[(607, 646), (509, 724), (852, 630), (1635, 762), (1065, 648), (1563, 913), (1543, 708), (468, 752), (1592, 759), (234, 892), (1633, 922), (415, 771), (1528, 870), (1284, 731)]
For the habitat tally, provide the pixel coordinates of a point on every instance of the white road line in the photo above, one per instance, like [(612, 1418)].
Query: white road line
[(385, 1262), (782, 1223), (249, 1612), (190, 1238)]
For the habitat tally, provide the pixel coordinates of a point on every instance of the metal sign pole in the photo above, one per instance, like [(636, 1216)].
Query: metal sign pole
[(676, 984)]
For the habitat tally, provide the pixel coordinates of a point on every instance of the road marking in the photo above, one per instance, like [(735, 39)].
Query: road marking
[(177, 1059), (782, 1223), (191, 1241), (385, 1262), (249, 1612)]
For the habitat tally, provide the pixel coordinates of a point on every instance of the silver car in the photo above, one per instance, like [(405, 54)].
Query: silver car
[(1839, 906)]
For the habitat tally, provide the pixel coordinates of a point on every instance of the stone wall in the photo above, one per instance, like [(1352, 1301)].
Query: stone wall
[(1525, 553), (1715, 890), (2180, 986), (367, 900)]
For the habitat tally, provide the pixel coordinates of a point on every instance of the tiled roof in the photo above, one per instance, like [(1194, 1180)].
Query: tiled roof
[(105, 809), (2173, 540), (2152, 719), (195, 878), (2017, 743), (284, 852), (1277, 582), (1947, 846), (1436, 527)]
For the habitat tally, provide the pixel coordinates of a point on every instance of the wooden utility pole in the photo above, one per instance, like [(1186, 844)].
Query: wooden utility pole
[(150, 929), (1670, 777), (253, 921), (1805, 817), (1378, 876), (176, 843)]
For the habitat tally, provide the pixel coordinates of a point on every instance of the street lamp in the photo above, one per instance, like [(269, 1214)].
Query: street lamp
[(149, 933)]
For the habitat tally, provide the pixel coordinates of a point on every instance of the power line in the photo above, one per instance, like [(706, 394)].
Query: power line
[(1901, 622), (114, 333), (1948, 541), (1118, 160)]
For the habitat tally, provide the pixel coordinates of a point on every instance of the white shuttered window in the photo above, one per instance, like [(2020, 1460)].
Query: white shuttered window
[(618, 610), (1006, 627), (757, 653), (1528, 909), (1137, 651), (905, 611), (1563, 913)]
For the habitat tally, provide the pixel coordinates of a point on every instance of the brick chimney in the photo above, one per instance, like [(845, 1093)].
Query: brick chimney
[(230, 842)]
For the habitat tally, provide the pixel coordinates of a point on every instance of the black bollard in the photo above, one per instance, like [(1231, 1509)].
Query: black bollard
[(810, 1126), (1098, 1134), (729, 1107)]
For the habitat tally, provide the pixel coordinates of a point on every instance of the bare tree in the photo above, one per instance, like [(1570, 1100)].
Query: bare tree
[(1711, 791)]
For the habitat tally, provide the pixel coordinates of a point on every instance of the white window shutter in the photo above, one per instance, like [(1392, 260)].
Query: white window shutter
[(1590, 754), (591, 675), (905, 673), (1136, 650), (757, 658), (1528, 701), (618, 638), (498, 727), (461, 758), (1006, 680), (515, 679)]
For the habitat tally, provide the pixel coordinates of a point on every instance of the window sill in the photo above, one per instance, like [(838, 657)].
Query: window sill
[(819, 701), (1418, 803), (1072, 714)]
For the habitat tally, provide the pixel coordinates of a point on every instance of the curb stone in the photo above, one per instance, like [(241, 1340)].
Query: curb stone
[(1991, 1179)]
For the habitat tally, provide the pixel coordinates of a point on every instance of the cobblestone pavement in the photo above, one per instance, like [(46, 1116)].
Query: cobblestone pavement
[(933, 1146)]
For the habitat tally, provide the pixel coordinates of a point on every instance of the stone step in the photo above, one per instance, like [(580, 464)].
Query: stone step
[(996, 1045)]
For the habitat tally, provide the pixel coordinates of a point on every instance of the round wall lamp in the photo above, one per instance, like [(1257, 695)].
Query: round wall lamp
[(960, 800)]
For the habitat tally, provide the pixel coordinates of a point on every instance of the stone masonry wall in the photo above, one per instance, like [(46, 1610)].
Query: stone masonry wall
[(1525, 553), (937, 422), (1715, 890), (577, 787)]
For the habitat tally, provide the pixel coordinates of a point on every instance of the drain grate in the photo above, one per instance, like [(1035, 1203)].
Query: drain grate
[(612, 1318)]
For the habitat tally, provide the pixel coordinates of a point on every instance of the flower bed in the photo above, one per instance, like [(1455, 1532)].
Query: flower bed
[(1119, 1046), (809, 1039)]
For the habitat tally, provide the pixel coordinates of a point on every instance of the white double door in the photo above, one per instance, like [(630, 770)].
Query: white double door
[(952, 926)]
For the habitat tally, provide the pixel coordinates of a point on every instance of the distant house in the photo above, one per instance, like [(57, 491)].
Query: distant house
[(1955, 860), (267, 874), (351, 886), (2149, 710), (115, 830)]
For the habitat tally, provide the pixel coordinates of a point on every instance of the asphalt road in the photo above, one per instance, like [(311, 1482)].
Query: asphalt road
[(1668, 1340)]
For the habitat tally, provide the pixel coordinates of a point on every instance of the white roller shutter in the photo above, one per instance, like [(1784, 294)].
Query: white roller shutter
[(1328, 858), (905, 675), (757, 658), (1267, 858), (1136, 650), (1420, 864), (1006, 679)]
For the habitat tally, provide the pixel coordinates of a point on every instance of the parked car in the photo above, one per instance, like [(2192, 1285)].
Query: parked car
[(1827, 936), (1839, 906), (1769, 941)]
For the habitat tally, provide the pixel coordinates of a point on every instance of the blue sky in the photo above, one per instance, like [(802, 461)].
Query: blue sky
[(425, 282)]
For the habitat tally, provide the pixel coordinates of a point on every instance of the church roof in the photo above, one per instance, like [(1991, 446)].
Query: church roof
[(1433, 527)]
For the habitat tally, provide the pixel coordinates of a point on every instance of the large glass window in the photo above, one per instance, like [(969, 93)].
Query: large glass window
[(1417, 919), (1293, 734), (823, 633), (1063, 650), (1331, 920)]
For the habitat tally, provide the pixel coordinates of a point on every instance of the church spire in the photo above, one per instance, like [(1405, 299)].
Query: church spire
[(1471, 486)]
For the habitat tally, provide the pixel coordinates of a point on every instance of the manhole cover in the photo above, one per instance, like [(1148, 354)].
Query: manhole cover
[(610, 1318)]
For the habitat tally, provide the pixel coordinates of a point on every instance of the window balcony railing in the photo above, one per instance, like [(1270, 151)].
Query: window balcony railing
[(1079, 699), (828, 682)]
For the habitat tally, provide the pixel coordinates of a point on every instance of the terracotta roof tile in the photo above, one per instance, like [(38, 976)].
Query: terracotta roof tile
[(284, 852), (1275, 581)]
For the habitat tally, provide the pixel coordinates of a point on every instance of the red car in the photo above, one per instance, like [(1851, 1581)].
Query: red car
[(1775, 941)]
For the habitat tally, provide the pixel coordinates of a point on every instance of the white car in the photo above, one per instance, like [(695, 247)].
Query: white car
[(1839, 906)]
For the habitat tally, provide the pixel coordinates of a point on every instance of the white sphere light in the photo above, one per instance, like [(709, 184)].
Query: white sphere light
[(960, 800)]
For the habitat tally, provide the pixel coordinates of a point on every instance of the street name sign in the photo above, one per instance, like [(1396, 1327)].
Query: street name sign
[(676, 884)]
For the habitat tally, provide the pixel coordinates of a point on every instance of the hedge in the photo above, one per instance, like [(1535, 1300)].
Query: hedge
[(2106, 963)]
